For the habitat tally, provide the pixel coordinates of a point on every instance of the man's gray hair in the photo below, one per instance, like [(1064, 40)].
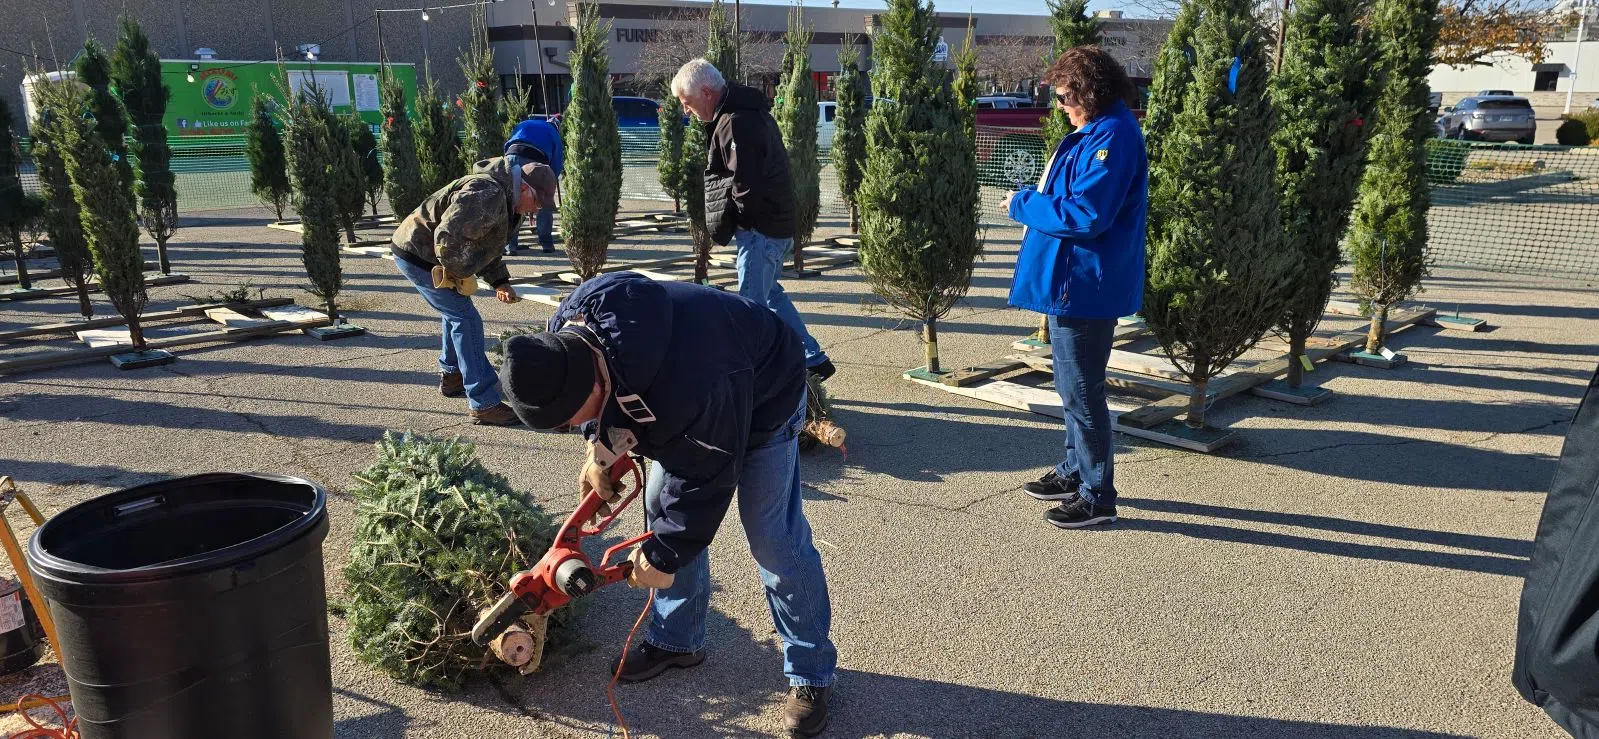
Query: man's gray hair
[(695, 75)]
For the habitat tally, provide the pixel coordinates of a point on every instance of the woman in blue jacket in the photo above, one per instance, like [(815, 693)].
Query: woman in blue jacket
[(1082, 265)]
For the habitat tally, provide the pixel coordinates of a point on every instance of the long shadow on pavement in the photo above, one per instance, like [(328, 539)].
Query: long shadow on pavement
[(121, 412), (1398, 460)]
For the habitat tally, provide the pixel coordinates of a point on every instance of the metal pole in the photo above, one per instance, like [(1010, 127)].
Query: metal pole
[(538, 51), (1576, 60), (1282, 37), (382, 57), (427, 63), (738, 38)]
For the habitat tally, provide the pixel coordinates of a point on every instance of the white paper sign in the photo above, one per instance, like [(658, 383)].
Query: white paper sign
[(11, 612), (366, 91), (1387, 354), (335, 85)]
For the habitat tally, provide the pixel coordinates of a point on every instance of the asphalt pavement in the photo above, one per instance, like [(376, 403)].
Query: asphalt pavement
[(1348, 570)]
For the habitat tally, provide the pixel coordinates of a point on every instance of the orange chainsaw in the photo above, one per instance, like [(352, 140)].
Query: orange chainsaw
[(565, 572)]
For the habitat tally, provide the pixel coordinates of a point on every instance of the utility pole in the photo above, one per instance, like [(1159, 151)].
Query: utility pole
[(1576, 59), (738, 37), (1282, 37), (538, 51)]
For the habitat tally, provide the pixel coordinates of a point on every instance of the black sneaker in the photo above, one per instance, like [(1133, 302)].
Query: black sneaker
[(1053, 487), (805, 711), (647, 660), (823, 370), (1077, 513)]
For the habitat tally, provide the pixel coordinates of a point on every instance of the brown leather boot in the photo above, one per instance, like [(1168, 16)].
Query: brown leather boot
[(495, 415), (452, 385), (805, 711)]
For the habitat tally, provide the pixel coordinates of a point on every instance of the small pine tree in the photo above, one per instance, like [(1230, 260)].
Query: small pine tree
[(1072, 27), (1321, 98), (514, 105), (696, 140), (136, 69), (670, 164), (317, 146), (348, 177), (366, 153), (593, 183), (919, 197), (485, 122), (438, 150), (849, 128), (1216, 269), (15, 208), (403, 178), (965, 84), (57, 102), (110, 119), (1388, 237), (263, 146), (797, 121), (722, 42), (107, 213)]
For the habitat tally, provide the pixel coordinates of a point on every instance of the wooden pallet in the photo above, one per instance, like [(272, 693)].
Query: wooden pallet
[(1453, 323), (193, 311), (52, 274), (103, 343), (56, 292)]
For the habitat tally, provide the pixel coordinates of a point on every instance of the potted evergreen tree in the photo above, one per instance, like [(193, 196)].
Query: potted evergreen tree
[(136, 70), (1322, 100), (593, 182), (402, 181), (919, 196), (849, 128), (1388, 235), (263, 147), (1216, 264), (796, 119)]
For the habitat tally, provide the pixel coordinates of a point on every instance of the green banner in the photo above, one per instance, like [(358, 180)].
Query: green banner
[(217, 101)]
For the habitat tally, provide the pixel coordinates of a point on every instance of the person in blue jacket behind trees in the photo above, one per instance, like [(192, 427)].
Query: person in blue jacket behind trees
[(537, 140), (1082, 265), (711, 387)]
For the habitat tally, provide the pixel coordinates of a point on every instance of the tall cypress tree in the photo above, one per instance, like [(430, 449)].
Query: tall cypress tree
[(17, 209), (1217, 267), (485, 122), (366, 154), (593, 181), (317, 145), (722, 52), (1388, 237), (438, 150), (1321, 96), (849, 128), (670, 162), (797, 121), (514, 105), (110, 119), (964, 85), (136, 70), (263, 147), (57, 102), (106, 211), (919, 197), (403, 178), (348, 177), (722, 42), (1072, 27)]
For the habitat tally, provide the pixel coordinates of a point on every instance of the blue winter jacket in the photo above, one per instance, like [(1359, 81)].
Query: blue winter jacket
[(1082, 250), (544, 137), (713, 375)]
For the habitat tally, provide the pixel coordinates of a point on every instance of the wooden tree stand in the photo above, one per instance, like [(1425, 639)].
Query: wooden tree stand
[(94, 287), (1149, 394), (109, 337)]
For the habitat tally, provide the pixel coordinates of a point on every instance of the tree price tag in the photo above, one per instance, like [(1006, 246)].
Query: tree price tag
[(1304, 361), (10, 612), (1387, 353)]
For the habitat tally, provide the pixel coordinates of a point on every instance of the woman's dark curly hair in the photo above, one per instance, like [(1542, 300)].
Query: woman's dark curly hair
[(1093, 79)]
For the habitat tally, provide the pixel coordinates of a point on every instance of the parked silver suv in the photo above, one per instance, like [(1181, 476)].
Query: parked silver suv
[(1490, 118)]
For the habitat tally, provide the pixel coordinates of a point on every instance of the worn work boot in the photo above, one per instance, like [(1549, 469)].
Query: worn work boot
[(452, 385), (646, 660), (499, 414), (1053, 487), (805, 711)]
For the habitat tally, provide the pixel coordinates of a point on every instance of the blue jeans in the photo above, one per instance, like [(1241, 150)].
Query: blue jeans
[(760, 262), (791, 569), (544, 224), (461, 337), (1081, 350)]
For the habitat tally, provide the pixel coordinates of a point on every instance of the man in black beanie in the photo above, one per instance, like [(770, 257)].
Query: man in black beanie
[(712, 388)]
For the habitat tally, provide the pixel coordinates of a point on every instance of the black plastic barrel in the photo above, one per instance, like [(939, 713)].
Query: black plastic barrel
[(193, 609)]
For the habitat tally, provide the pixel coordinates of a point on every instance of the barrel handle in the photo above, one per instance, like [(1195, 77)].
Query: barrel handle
[(130, 508)]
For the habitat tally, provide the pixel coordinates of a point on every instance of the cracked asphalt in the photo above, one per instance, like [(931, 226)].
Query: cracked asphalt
[(1346, 570)]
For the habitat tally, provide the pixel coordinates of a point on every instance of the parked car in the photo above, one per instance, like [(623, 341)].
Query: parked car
[(1490, 118), (826, 111), (1496, 93), (1010, 144), (1435, 100), (1002, 102)]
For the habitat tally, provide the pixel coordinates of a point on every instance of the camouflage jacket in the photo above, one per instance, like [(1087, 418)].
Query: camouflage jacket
[(465, 225)]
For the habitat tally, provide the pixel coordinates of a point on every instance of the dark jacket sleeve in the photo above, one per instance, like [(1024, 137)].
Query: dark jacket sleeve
[(495, 273), (721, 211), (702, 467)]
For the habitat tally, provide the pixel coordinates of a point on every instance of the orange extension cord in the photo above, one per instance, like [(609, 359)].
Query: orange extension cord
[(69, 729), (610, 690)]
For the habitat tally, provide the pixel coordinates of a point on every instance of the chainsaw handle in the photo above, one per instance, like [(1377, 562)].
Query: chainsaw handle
[(605, 561), (618, 471)]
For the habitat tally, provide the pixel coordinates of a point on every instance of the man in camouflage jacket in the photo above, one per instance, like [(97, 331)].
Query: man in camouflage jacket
[(453, 238)]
